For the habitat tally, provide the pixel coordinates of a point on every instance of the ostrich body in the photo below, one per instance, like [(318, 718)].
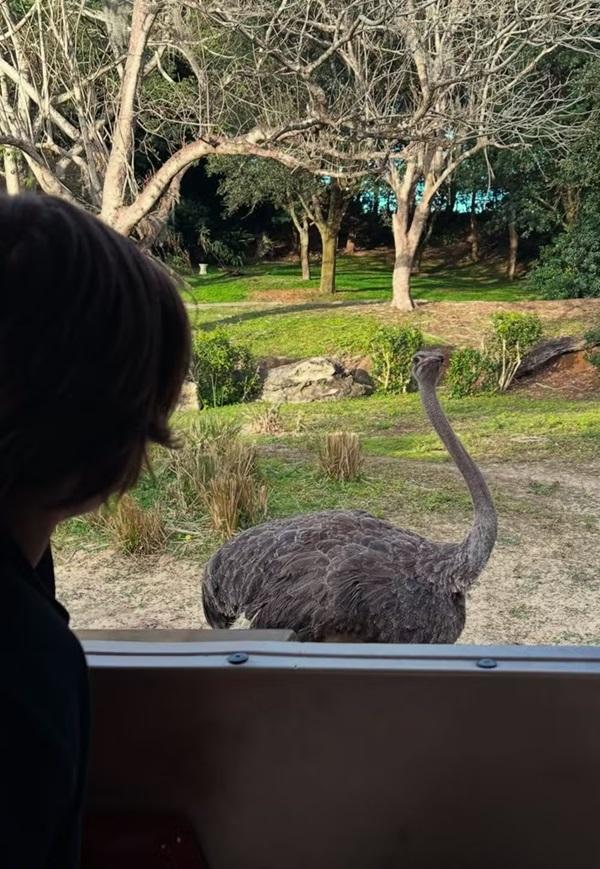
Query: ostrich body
[(345, 575)]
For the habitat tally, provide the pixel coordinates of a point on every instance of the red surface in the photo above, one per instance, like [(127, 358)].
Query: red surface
[(139, 842)]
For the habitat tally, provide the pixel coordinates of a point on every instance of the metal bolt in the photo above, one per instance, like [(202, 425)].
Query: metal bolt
[(487, 663), (237, 658)]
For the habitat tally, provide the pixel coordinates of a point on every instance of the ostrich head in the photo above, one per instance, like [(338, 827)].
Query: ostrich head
[(427, 367)]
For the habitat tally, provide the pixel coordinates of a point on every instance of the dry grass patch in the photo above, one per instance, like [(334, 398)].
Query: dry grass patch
[(133, 529), (234, 495), (268, 420), (214, 472), (341, 456)]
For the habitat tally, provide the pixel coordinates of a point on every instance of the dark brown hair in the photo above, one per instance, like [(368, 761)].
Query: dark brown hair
[(94, 347)]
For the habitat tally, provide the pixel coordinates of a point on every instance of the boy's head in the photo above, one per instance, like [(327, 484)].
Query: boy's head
[(94, 347)]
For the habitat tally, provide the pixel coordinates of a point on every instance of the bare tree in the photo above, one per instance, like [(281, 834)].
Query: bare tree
[(109, 103), (412, 88)]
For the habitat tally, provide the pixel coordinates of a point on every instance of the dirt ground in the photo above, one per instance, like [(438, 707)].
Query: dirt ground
[(466, 323), (542, 584)]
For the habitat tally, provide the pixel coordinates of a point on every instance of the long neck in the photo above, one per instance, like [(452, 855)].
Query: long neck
[(479, 542)]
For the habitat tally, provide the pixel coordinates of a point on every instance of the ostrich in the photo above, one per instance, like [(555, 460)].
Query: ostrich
[(345, 576)]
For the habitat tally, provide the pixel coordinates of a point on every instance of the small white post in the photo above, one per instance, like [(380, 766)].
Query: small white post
[(203, 268)]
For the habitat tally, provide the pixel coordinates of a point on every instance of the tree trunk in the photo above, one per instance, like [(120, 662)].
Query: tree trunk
[(11, 172), (405, 249), (328, 221), (513, 247), (303, 234), (350, 248), (143, 14), (401, 296), (422, 245), (328, 262), (152, 227), (474, 232)]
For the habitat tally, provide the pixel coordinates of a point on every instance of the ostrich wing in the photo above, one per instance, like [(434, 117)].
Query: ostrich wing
[(322, 574)]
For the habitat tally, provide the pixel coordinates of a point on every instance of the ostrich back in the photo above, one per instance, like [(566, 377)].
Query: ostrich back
[(337, 574)]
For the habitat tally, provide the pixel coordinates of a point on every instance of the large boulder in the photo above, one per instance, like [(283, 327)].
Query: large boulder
[(315, 379)]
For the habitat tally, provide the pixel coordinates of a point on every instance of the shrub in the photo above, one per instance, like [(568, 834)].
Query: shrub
[(341, 456), (468, 372), (392, 350), (225, 373), (569, 268), (513, 335), (135, 530)]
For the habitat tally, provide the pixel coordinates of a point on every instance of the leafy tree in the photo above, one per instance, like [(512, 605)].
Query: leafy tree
[(248, 182), (307, 198), (569, 268)]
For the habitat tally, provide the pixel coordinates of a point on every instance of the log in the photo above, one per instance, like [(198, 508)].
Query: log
[(547, 352)]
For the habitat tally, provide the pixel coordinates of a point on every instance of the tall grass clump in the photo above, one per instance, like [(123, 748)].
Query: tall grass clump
[(267, 420), (215, 473), (135, 530), (341, 456)]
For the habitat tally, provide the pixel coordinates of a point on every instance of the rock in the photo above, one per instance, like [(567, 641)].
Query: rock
[(316, 379), (188, 399), (546, 352), (269, 362)]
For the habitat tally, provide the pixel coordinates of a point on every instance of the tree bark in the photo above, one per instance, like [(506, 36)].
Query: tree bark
[(329, 242), (302, 224), (151, 228), (119, 162), (328, 220), (11, 172), (408, 224), (303, 234), (513, 248), (422, 245), (405, 247), (547, 352)]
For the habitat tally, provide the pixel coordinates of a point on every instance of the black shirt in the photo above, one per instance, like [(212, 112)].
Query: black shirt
[(44, 719)]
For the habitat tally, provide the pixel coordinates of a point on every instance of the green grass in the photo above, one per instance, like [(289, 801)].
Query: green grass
[(501, 427), (294, 333), (359, 278), (404, 479)]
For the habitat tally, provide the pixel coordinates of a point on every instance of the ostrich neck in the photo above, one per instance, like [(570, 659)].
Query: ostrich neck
[(480, 540)]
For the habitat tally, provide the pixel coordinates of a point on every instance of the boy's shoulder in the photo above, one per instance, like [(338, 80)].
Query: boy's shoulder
[(42, 664)]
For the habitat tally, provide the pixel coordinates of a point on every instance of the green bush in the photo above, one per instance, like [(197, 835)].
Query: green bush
[(513, 335), (392, 349), (569, 268), (225, 373), (468, 372)]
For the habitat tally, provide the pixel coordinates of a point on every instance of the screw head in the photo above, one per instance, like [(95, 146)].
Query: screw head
[(487, 664), (237, 658)]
